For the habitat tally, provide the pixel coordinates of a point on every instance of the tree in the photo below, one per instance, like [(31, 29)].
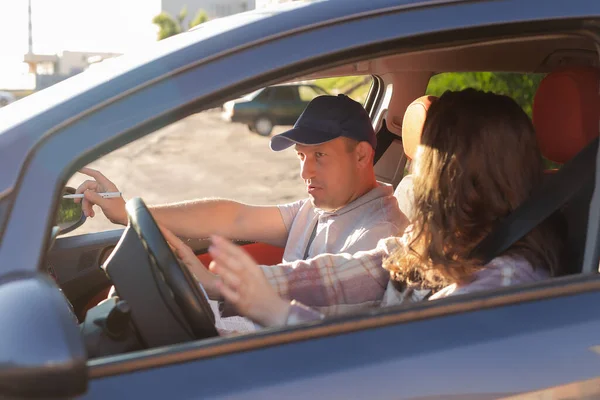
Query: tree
[(521, 87), (169, 26), (200, 18)]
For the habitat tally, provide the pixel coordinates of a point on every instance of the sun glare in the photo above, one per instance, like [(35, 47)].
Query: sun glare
[(114, 26)]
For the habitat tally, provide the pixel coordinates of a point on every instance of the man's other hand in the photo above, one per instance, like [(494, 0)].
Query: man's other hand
[(113, 208), (244, 285)]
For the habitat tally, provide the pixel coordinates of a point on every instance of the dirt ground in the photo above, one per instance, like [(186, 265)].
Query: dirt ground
[(200, 156)]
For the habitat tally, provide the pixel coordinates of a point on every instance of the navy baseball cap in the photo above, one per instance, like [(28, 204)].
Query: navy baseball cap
[(327, 118)]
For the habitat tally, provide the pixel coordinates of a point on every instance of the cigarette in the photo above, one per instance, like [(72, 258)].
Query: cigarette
[(105, 195)]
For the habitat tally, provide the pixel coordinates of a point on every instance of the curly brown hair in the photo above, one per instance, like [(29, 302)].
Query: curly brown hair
[(478, 161)]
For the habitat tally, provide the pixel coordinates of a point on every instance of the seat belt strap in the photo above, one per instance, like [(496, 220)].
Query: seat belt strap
[(310, 240), (385, 138), (557, 190)]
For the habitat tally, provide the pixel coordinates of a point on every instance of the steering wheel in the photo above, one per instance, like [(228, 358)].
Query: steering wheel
[(184, 289)]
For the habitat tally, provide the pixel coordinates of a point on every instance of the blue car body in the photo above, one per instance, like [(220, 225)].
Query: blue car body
[(520, 340)]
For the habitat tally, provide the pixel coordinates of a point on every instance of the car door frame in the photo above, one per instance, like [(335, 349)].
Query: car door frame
[(215, 358)]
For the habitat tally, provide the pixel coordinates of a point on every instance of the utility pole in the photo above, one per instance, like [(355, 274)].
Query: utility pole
[(29, 59), (30, 30)]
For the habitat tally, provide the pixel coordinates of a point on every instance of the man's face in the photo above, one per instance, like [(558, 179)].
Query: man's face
[(329, 171)]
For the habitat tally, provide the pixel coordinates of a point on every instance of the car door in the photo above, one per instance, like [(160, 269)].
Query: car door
[(544, 346), (499, 344), (522, 343)]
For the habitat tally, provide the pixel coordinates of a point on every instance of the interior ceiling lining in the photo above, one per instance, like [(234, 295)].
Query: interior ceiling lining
[(537, 54)]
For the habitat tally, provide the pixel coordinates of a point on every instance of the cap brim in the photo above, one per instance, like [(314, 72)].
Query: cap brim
[(299, 135)]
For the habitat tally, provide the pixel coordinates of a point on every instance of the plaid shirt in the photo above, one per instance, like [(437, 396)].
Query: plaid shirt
[(334, 284)]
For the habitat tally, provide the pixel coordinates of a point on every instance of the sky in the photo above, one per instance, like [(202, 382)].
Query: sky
[(77, 25)]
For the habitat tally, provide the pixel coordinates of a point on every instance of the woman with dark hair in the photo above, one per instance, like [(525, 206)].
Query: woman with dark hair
[(477, 162)]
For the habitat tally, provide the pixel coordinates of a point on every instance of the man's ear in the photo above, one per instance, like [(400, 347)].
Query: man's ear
[(364, 154)]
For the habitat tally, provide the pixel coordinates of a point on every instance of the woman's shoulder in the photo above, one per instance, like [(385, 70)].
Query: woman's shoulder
[(500, 272)]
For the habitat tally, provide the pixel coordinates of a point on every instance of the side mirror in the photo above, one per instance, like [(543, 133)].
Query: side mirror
[(42, 352), (70, 214)]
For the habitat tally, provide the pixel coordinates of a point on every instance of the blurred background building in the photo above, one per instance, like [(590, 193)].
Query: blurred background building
[(214, 8), (54, 40)]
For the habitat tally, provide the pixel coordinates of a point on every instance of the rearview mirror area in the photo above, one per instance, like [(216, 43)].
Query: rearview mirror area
[(70, 214)]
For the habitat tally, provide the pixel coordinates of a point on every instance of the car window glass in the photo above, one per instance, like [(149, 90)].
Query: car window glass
[(262, 95), (521, 87), (356, 87), (307, 93), (319, 90), (254, 94), (204, 155), (199, 156), (284, 93)]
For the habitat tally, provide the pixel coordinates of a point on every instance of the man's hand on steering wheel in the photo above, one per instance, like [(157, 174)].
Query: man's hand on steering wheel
[(195, 266)]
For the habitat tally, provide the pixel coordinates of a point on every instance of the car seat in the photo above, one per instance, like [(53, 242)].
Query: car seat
[(412, 128), (566, 117)]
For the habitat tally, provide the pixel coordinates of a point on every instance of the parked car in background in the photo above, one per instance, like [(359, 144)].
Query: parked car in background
[(6, 98), (262, 109)]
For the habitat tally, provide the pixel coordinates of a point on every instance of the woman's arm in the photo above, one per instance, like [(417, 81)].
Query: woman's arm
[(262, 293)]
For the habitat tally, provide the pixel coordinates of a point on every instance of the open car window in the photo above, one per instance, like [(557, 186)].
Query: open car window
[(173, 142)]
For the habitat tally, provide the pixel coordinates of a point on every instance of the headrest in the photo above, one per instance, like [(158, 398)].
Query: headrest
[(412, 124), (566, 112)]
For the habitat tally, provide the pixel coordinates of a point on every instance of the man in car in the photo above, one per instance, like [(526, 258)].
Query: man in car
[(347, 209)]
